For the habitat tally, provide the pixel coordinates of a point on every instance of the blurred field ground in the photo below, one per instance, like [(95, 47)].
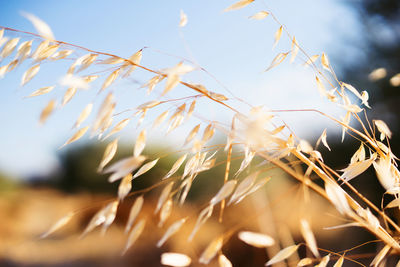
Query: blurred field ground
[(28, 212)]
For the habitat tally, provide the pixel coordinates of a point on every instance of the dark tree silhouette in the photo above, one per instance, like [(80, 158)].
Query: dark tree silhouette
[(381, 49)]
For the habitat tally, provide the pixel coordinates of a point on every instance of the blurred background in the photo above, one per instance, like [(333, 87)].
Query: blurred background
[(39, 183)]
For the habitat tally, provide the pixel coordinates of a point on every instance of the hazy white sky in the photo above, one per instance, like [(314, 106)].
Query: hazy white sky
[(231, 47)]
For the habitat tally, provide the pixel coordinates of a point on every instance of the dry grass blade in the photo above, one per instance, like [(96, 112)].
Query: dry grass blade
[(345, 121), (203, 217), (164, 196), (359, 155), (134, 212), (352, 89), (125, 187), (3, 70), (208, 133), (71, 80), (387, 174), (61, 54), (145, 168), (259, 15), (84, 114), (9, 47), (87, 61), (171, 231), (123, 167), (76, 136), (249, 155), (197, 146), (243, 187), (131, 65), (98, 219), (324, 141), (175, 259), (294, 50), (383, 129), (42, 91), (192, 134), (311, 60), (109, 153), (60, 223), (191, 109), (150, 104), (324, 262), (134, 235), (24, 50), (112, 60), (12, 65), (104, 115), (140, 143), (29, 74), (304, 262), (47, 111), (356, 169), (141, 119), (395, 80), (217, 96), (343, 226), (43, 46), (370, 218), (160, 118), (176, 166), (41, 27), (120, 125), (77, 63), (278, 35), (224, 192), (165, 212), (283, 254), (47, 52), (256, 239), (238, 5), (278, 130), (68, 95), (211, 250), (172, 82), (364, 98), (152, 83), (192, 165), (325, 62), (338, 197), (185, 188), (339, 262), (183, 19), (223, 261), (380, 256), (110, 212), (135, 58), (277, 60), (3, 40), (309, 237), (179, 69), (110, 79), (253, 189)]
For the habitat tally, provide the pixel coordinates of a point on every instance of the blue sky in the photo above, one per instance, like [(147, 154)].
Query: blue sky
[(233, 48)]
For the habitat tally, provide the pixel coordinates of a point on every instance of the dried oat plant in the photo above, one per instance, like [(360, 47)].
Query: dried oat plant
[(255, 134)]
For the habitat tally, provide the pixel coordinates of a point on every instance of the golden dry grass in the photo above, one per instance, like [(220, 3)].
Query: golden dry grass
[(255, 136)]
